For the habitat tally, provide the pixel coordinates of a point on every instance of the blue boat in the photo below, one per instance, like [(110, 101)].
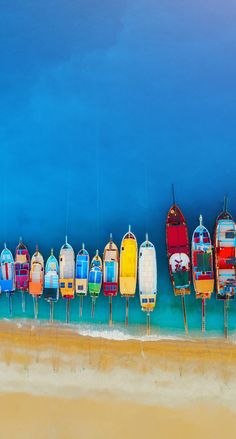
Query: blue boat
[(51, 282), (81, 275), (7, 271), (7, 279)]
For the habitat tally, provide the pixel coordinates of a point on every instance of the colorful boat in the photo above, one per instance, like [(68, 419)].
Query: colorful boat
[(22, 267), (202, 265), (110, 269), (7, 282), (225, 254), (128, 268), (67, 271), (147, 276), (110, 272), (95, 279), (178, 253), (128, 264), (51, 279), (51, 282), (7, 278), (202, 262), (81, 275), (22, 270), (36, 279), (36, 274)]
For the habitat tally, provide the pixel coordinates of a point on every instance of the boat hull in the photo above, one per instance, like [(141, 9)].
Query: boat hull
[(178, 251), (22, 268), (147, 276), (7, 282), (82, 273), (110, 270), (202, 263), (225, 254), (36, 275), (67, 271), (128, 265)]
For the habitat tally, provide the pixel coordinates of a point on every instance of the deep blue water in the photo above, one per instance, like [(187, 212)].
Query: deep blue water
[(102, 106)]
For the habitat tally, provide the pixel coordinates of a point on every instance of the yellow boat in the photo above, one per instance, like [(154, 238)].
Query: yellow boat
[(128, 265)]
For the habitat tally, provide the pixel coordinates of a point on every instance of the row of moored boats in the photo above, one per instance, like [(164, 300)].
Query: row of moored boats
[(210, 266)]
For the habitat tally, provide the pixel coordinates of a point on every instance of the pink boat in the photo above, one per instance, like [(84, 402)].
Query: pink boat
[(22, 267)]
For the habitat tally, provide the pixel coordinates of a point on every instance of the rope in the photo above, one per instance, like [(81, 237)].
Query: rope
[(98, 193)]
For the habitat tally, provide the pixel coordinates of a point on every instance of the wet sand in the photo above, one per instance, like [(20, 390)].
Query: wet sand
[(55, 383)]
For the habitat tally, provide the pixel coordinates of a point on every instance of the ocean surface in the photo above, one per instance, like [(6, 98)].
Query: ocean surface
[(102, 106)]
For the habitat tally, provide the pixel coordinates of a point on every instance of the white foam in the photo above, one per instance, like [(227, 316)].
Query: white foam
[(119, 335)]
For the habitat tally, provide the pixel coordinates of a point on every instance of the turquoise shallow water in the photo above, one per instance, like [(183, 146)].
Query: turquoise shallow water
[(102, 106), (166, 319)]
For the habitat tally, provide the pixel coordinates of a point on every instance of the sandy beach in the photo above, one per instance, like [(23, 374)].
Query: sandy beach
[(57, 383)]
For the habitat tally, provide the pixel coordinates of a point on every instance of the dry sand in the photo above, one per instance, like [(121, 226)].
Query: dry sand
[(57, 384)]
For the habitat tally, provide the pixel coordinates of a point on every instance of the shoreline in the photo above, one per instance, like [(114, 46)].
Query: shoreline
[(101, 388)]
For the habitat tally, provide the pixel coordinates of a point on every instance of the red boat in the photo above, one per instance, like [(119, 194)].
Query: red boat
[(178, 251)]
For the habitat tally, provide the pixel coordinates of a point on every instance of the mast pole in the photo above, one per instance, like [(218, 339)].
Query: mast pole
[(93, 307), (110, 311), (203, 315), (226, 302), (67, 310), (184, 314), (51, 310), (148, 323), (23, 301), (35, 299), (10, 304), (127, 312), (81, 306)]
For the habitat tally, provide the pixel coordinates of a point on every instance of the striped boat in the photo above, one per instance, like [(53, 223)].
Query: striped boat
[(225, 255)]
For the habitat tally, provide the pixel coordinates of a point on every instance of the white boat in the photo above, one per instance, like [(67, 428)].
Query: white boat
[(147, 276)]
